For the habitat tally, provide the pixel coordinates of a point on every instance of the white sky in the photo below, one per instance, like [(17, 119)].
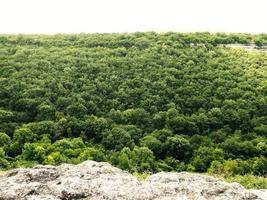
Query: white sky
[(76, 16)]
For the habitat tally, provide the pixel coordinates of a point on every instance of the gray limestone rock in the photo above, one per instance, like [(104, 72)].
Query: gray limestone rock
[(99, 181)]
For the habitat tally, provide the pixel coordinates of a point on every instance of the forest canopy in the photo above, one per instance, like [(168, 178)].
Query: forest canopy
[(145, 102)]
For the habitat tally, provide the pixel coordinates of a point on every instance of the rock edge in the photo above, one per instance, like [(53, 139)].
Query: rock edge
[(98, 181)]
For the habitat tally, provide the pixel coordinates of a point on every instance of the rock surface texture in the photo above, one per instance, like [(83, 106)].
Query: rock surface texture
[(97, 181)]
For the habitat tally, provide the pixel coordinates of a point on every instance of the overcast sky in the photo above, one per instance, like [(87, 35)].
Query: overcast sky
[(76, 16)]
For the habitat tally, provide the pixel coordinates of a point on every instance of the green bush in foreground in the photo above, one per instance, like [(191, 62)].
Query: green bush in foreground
[(241, 171), (249, 181)]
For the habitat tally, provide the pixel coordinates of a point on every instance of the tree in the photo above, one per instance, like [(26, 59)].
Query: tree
[(68, 147), (4, 140), (20, 137), (55, 158), (45, 112), (91, 153), (162, 134), (233, 147), (124, 159), (159, 120), (135, 132), (34, 152), (77, 110), (3, 161), (183, 125), (235, 167), (178, 147), (154, 145), (94, 127), (143, 159), (137, 117), (216, 168), (204, 156), (260, 166), (261, 129), (117, 138), (262, 148), (23, 135), (42, 127), (6, 115)]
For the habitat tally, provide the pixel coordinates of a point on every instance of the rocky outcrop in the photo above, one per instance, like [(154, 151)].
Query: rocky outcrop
[(97, 181), (247, 47)]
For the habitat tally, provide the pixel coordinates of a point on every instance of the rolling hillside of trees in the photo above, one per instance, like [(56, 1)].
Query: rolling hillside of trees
[(145, 102)]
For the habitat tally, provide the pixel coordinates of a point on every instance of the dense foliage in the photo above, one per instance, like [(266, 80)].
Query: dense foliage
[(142, 101)]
